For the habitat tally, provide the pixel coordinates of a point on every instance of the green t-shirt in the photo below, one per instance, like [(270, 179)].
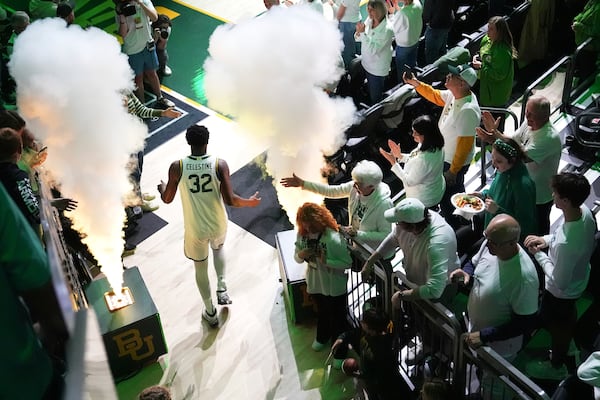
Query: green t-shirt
[(25, 370)]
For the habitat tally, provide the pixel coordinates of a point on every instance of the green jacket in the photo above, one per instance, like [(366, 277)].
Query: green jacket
[(587, 24), (496, 74)]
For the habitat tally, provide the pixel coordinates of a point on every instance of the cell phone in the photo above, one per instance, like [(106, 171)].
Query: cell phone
[(409, 72), (43, 149)]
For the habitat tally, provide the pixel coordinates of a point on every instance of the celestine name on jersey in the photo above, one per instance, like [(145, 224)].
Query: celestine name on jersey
[(197, 167)]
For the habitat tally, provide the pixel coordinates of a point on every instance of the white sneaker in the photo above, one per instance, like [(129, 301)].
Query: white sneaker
[(212, 319), (167, 71)]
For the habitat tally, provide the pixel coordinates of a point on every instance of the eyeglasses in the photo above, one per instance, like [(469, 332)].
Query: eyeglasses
[(497, 244)]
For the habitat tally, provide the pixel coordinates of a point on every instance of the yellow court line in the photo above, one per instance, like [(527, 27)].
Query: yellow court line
[(170, 13), (201, 11)]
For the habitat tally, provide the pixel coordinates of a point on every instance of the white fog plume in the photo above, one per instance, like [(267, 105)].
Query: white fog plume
[(268, 73), (68, 90)]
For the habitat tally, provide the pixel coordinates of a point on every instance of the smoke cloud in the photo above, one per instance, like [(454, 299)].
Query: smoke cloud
[(69, 84), (269, 73)]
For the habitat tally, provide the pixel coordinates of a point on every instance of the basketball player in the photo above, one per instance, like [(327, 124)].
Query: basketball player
[(205, 188)]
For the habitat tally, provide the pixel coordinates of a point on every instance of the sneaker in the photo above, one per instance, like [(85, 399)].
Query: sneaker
[(148, 197), (223, 298), (128, 250), (318, 346), (337, 363), (212, 319), (148, 207), (167, 71), (414, 351), (545, 370), (164, 103)]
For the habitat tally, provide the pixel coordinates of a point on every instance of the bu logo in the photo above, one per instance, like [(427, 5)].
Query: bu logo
[(130, 343)]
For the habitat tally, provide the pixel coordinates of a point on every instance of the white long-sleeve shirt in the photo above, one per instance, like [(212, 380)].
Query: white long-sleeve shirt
[(422, 175), (407, 24), (567, 264), (376, 47)]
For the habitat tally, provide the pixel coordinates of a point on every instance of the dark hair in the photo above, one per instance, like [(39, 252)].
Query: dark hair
[(63, 10), (573, 187), (437, 389), (197, 135), (10, 143), (155, 393), (376, 319), (162, 19), (432, 137), (11, 119), (503, 146)]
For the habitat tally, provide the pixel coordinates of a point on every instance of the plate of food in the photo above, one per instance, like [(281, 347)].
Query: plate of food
[(468, 203)]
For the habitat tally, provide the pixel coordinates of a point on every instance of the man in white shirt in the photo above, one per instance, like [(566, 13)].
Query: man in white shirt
[(133, 18), (566, 268)]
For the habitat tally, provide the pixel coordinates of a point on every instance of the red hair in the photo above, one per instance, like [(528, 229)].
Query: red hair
[(311, 215)]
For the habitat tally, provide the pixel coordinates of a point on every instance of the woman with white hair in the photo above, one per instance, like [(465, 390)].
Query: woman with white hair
[(368, 198)]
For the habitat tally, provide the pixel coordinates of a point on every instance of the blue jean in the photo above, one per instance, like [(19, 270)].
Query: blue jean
[(446, 207), (405, 55), (350, 47), (435, 43), (375, 84)]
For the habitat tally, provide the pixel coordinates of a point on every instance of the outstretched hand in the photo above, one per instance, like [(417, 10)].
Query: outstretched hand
[(293, 181), (254, 200), (64, 204), (485, 136)]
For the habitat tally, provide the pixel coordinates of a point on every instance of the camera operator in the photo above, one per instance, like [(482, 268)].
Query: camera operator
[(133, 18), (161, 29)]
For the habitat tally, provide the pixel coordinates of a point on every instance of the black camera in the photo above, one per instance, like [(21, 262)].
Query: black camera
[(126, 8), (164, 33)]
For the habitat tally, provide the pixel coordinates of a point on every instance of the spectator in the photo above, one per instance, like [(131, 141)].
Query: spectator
[(423, 172), (511, 192), (586, 24), (162, 31), (541, 142), (460, 117), (407, 24), (39, 9), (133, 19), (589, 372), (348, 15), (374, 343), (429, 247), (15, 180), (368, 198), (376, 38), (566, 268), (495, 63), (27, 370), (204, 214), (19, 22), (155, 393), (320, 245), (65, 11), (503, 301), (438, 16)]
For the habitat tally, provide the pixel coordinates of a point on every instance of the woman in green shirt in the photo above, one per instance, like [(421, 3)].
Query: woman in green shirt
[(495, 63)]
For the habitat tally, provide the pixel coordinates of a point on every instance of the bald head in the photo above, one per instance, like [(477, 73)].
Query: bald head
[(502, 235)]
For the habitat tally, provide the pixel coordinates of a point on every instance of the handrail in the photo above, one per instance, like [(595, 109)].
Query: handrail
[(568, 92), (532, 86), (502, 368)]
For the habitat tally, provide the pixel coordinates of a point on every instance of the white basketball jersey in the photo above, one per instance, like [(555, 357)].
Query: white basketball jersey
[(204, 214)]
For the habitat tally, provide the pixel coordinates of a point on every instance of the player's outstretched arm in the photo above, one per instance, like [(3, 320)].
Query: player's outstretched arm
[(229, 197)]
